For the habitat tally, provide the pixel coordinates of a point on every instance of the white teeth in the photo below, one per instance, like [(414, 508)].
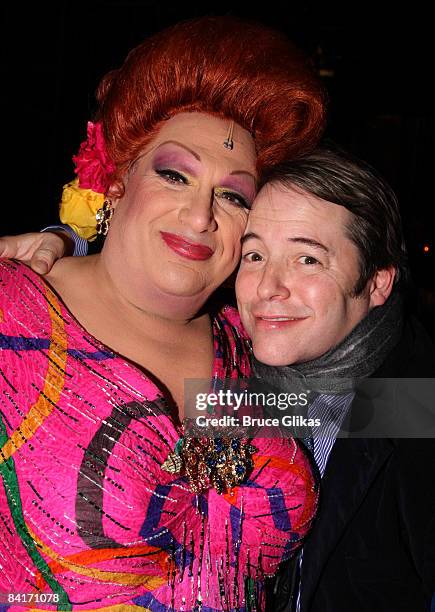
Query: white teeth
[(279, 319)]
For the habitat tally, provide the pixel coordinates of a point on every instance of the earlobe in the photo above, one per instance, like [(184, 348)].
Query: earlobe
[(115, 192), (381, 286)]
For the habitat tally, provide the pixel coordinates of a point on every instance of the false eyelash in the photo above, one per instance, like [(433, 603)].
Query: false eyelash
[(167, 173)]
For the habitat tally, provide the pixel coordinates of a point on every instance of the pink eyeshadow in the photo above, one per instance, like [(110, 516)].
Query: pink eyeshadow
[(174, 160)]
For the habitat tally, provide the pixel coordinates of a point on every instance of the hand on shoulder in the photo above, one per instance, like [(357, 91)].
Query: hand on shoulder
[(38, 250)]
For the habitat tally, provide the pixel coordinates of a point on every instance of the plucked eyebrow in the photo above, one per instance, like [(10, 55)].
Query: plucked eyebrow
[(309, 242), (198, 157), (183, 146), (245, 173)]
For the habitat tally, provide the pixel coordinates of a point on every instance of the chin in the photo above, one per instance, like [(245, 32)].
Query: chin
[(272, 357), (181, 282)]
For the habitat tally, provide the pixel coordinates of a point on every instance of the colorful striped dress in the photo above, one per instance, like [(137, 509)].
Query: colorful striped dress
[(88, 518)]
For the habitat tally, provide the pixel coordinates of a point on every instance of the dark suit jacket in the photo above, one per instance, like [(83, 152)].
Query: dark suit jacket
[(372, 547)]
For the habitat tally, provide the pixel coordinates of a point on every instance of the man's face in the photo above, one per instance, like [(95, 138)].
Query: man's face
[(296, 278)]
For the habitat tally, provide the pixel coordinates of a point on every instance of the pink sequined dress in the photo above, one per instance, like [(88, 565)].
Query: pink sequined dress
[(88, 518)]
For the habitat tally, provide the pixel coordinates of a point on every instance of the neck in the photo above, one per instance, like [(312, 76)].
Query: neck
[(160, 318)]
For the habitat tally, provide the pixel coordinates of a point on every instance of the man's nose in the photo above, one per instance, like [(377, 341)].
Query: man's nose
[(198, 213), (273, 284)]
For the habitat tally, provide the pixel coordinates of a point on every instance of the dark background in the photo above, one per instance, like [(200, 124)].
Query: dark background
[(376, 60)]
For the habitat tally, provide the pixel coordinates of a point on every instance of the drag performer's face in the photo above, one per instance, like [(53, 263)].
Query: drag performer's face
[(295, 286), (176, 230)]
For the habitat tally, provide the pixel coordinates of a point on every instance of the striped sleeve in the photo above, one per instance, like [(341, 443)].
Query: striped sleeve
[(80, 244)]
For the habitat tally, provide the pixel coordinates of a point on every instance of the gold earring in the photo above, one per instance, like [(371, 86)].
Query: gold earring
[(228, 143), (103, 217)]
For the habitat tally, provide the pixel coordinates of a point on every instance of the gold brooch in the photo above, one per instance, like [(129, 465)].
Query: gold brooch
[(221, 463)]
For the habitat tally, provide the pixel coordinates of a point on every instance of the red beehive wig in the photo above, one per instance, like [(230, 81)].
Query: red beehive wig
[(223, 66)]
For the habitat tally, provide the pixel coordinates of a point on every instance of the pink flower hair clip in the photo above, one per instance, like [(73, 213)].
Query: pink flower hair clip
[(94, 167), (84, 206)]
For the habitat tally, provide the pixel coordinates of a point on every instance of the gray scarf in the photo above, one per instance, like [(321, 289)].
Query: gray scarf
[(358, 356)]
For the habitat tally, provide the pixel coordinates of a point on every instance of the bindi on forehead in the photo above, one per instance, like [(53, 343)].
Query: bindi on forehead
[(174, 152)]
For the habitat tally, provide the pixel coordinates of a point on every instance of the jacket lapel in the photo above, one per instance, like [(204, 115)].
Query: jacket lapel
[(352, 466)]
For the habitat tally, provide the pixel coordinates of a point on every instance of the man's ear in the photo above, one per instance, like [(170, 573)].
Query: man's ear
[(381, 286), (115, 192)]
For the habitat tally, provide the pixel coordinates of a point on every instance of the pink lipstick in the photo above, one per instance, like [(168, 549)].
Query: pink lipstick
[(190, 250)]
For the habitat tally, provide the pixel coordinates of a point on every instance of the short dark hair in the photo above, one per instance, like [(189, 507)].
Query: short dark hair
[(336, 176)]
